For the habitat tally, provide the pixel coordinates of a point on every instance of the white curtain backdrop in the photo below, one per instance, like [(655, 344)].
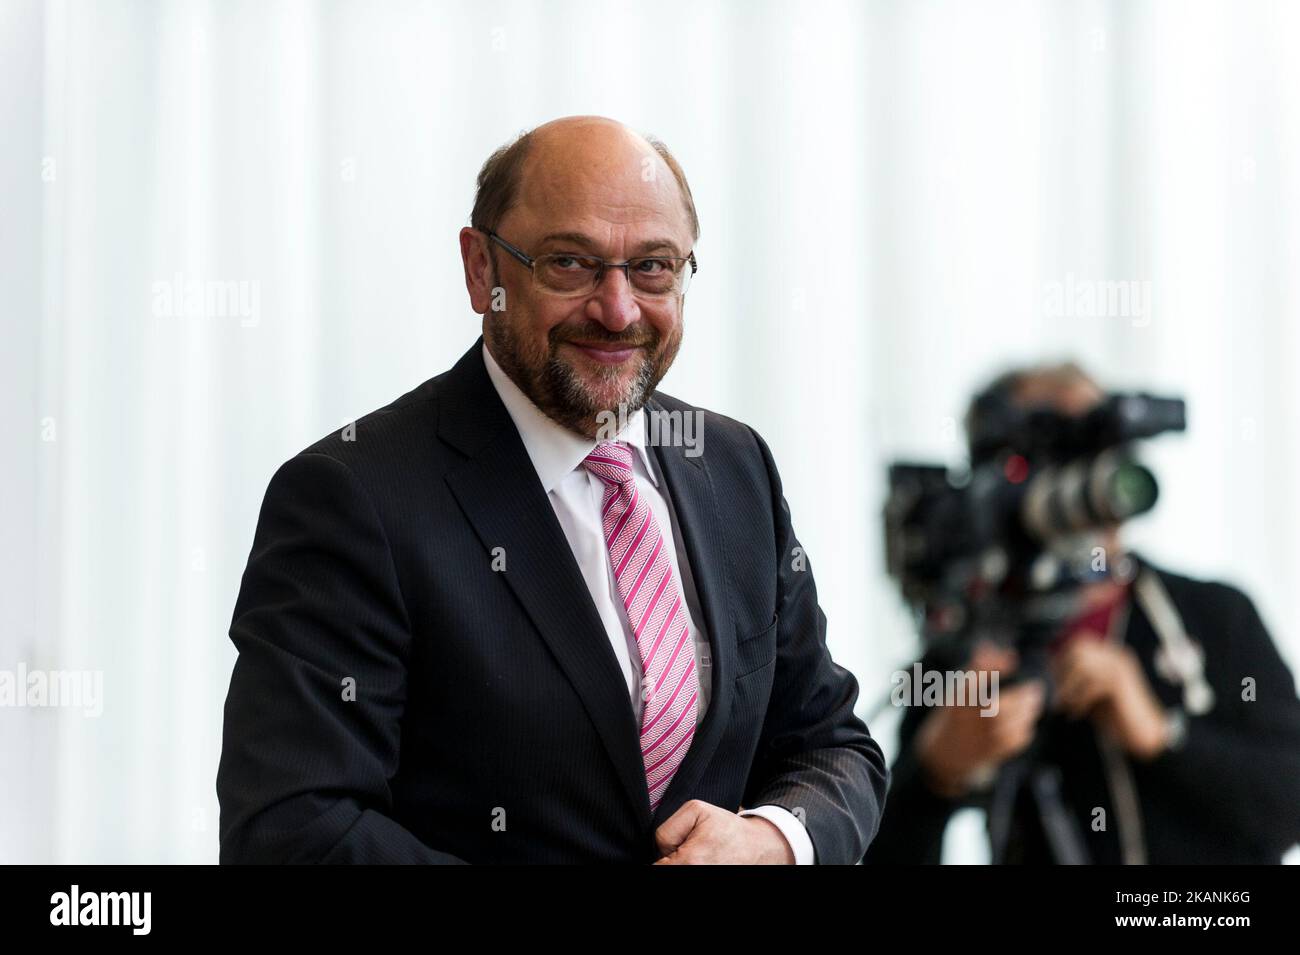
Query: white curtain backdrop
[(889, 193)]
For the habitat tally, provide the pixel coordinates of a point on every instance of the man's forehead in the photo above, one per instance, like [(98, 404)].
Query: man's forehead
[(607, 181)]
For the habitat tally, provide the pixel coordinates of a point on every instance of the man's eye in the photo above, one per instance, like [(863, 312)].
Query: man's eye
[(654, 266), (572, 262)]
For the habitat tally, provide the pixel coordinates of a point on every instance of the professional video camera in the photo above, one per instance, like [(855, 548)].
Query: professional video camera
[(1001, 550)]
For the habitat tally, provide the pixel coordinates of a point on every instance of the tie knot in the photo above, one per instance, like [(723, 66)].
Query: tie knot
[(610, 462)]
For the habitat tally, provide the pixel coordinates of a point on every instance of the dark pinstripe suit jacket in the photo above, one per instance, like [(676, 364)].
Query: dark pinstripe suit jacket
[(398, 699)]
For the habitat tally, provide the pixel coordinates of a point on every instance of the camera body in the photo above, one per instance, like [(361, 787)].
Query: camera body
[(999, 550)]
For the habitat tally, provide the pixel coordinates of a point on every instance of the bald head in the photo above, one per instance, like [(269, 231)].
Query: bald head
[(582, 164), (587, 134)]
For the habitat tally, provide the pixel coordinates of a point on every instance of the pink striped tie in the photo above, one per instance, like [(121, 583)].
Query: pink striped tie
[(644, 575)]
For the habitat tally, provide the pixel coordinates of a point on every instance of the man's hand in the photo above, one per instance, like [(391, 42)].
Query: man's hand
[(703, 834), (1104, 679), (954, 743)]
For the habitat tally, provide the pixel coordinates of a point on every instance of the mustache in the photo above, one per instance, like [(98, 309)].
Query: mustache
[(597, 334)]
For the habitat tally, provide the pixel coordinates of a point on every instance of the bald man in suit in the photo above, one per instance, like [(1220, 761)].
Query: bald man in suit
[(536, 610)]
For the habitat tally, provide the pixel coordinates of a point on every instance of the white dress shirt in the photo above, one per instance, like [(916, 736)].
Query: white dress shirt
[(576, 496)]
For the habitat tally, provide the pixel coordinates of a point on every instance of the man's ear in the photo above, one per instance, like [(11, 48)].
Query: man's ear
[(478, 269)]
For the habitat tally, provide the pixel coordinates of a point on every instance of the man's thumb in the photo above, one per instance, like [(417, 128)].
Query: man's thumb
[(676, 828)]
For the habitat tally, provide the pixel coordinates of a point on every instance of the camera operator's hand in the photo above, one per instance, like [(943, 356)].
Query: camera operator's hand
[(955, 744), (1104, 679)]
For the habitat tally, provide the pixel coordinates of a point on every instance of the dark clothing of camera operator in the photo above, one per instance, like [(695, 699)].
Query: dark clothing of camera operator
[(1228, 792), (1157, 724)]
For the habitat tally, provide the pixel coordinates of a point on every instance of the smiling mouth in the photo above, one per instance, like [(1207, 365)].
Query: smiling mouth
[(605, 353)]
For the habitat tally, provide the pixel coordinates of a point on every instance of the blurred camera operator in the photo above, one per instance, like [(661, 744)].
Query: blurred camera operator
[(1164, 728)]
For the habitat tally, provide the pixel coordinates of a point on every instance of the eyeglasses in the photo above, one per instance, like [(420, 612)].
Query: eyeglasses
[(569, 273)]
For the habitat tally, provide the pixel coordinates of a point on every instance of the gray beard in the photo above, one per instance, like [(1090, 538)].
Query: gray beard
[(573, 407), (560, 392)]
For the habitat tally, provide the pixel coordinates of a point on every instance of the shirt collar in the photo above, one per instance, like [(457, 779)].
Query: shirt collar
[(555, 450)]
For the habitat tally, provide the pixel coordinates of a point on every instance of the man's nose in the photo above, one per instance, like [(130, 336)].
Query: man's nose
[(614, 305)]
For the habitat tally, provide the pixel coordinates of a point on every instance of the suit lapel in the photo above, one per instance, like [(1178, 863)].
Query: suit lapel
[(501, 496)]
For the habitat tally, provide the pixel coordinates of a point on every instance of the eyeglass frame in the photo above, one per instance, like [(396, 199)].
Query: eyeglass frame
[(530, 260)]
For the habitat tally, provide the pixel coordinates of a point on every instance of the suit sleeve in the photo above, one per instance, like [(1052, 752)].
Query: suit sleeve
[(1240, 762), (313, 716), (815, 758)]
